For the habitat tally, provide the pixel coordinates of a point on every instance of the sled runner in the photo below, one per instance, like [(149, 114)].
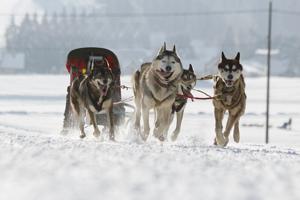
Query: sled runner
[(79, 63)]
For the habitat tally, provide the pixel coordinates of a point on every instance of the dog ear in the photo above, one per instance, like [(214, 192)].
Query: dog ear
[(241, 66), (165, 46), (223, 56), (237, 57), (191, 69), (161, 50), (174, 49)]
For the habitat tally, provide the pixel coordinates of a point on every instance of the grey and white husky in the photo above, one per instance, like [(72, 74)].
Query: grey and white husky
[(187, 83), (92, 94), (155, 86)]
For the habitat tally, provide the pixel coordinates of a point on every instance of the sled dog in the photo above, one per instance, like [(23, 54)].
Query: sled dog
[(229, 87), (186, 84), (155, 87), (91, 94)]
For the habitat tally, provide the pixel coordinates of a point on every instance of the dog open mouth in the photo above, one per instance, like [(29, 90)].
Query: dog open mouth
[(229, 82), (186, 92), (104, 90), (164, 74)]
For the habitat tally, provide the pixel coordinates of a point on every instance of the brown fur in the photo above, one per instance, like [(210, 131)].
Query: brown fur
[(231, 99)]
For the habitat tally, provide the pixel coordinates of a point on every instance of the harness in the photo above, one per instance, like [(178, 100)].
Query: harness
[(164, 85), (180, 101), (236, 92), (94, 99)]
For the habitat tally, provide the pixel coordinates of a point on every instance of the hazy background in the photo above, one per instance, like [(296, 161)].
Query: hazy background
[(36, 35)]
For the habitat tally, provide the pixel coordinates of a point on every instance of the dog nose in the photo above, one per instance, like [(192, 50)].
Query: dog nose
[(230, 76), (168, 68)]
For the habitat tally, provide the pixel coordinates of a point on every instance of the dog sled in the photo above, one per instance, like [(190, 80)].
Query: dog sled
[(79, 63)]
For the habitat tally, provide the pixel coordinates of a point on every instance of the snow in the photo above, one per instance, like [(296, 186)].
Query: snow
[(36, 162)]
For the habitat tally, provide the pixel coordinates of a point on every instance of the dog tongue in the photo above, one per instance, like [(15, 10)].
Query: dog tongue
[(104, 91), (229, 82)]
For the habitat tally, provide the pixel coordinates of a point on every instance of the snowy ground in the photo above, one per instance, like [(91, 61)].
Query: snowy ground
[(38, 163)]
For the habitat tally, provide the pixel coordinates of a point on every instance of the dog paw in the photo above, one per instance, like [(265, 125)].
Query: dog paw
[(174, 137), (96, 133), (226, 141), (156, 133), (144, 137), (236, 137), (220, 140), (161, 138), (112, 138), (64, 131), (82, 135), (215, 142)]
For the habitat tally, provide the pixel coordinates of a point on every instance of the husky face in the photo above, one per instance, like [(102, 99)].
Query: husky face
[(102, 78), (167, 65), (188, 80), (230, 69)]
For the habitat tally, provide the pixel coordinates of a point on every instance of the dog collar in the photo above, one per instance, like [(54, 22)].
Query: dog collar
[(164, 85), (178, 104), (160, 83)]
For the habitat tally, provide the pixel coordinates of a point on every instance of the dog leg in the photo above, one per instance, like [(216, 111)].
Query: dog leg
[(156, 124), (110, 122), (81, 122), (230, 122), (67, 123), (137, 114), (165, 122), (159, 129), (167, 117), (236, 132), (145, 112), (93, 120), (137, 99), (219, 140), (179, 116)]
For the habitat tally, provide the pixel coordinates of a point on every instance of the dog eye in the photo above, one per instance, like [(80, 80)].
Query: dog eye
[(163, 61), (173, 62)]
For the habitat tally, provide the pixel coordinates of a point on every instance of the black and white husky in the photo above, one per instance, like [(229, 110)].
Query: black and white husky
[(92, 94), (187, 83), (155, 86)]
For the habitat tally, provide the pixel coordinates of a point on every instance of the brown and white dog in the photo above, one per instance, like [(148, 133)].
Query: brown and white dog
[(229, 87), (92, 94)]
